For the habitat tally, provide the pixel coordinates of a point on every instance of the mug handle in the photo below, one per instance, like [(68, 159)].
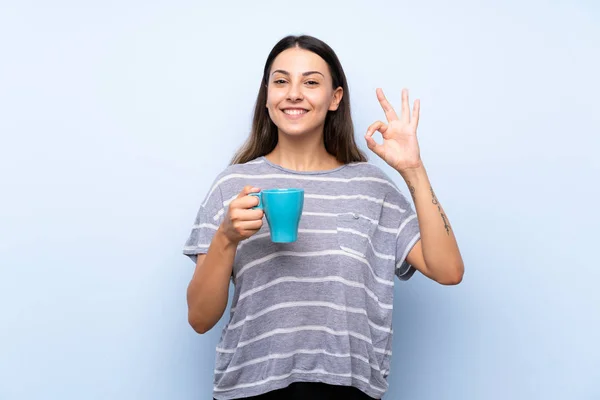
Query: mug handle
[(260, 205)]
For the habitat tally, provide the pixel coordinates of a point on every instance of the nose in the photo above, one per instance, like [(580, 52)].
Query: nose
[(294, 93)]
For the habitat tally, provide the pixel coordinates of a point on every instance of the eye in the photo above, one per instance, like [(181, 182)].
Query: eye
[(279, 81), (312, 83)]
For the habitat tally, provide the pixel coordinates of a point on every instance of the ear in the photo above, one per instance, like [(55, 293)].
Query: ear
[(337, 98)]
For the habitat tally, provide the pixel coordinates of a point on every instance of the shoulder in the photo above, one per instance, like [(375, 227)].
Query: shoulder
[(385, 186), (368, 170), (227, 182), (254, 166)]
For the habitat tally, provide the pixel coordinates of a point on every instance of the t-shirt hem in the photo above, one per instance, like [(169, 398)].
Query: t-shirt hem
[(193, 253), (280, 384)]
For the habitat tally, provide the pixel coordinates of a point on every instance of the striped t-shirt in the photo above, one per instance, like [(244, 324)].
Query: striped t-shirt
[(318, 309)]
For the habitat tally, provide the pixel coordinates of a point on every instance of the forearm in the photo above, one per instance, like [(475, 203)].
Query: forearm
[(440, 249), (209, 288)]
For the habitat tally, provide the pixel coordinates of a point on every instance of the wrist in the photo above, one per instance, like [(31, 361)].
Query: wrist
[(223, 240), (413, 175)]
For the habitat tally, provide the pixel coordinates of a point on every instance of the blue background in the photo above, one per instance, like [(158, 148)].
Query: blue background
[(116, 116)]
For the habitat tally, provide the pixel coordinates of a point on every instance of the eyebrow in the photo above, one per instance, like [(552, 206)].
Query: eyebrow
[(281, 71)]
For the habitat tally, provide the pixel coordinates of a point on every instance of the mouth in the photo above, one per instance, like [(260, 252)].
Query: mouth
[(294, 113)]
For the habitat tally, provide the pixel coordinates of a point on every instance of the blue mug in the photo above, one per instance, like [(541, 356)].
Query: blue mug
[(283, 209)]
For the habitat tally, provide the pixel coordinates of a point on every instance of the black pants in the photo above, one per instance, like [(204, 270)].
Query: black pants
[(312, 391)]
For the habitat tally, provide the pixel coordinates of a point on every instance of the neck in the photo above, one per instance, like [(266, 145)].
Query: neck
[(302, 153)]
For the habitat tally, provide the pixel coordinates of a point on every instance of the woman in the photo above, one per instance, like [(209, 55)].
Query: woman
[(312, 319)]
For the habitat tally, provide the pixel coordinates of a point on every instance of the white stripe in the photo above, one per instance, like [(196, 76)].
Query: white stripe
[(324, 231), (211, 226), (299, 177), (189, 248), (404, 223), (280, 356), (354, 196), (320, 214), (293, 330), (218, 215), (255, 162), (408, 249), (355, 232), (267, 234), (375, 349), (294, 279), (228, 201), (293, 304), (313, 254), (229, 351), (387, 230), (337, 197), (254, 237), (298, 371), (382, 351), (412, 241), (356, 253), (373, 221), (323, 214)]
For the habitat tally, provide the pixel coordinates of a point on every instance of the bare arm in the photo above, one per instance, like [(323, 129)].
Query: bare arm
[(436, 255), (208, 290)]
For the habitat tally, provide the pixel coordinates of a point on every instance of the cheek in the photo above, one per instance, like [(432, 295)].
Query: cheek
[(273, 99), (320, 101)]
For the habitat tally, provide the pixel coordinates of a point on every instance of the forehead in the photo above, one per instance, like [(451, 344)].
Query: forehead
[(297, 61)]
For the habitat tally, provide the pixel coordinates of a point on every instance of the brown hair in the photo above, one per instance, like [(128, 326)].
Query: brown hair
[(338, 132)]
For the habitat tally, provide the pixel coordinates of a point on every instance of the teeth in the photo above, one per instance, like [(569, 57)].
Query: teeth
[(294, 112)]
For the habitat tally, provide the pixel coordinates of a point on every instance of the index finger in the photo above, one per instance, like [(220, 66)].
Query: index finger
[(247, 190), (390, 114)]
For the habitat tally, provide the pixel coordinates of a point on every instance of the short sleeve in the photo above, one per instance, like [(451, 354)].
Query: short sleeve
[(209, 217), (407, 235)]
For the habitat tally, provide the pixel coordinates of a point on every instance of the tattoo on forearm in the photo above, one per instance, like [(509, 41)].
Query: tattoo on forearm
[(435, 201), (411, 188)]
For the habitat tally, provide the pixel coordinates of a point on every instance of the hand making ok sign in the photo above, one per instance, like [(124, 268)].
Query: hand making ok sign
[(400, 148)]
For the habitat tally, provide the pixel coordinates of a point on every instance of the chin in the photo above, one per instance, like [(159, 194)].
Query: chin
[(296, 130)]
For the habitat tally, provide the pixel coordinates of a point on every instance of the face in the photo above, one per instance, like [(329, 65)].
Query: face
[(300, 93)]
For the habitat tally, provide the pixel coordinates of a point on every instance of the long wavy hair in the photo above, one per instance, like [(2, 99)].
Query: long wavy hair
[(338, 132)]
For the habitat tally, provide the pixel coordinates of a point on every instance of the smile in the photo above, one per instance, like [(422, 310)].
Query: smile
[(294, 111)]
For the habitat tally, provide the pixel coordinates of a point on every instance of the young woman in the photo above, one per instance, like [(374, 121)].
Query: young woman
[(312, 319)]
